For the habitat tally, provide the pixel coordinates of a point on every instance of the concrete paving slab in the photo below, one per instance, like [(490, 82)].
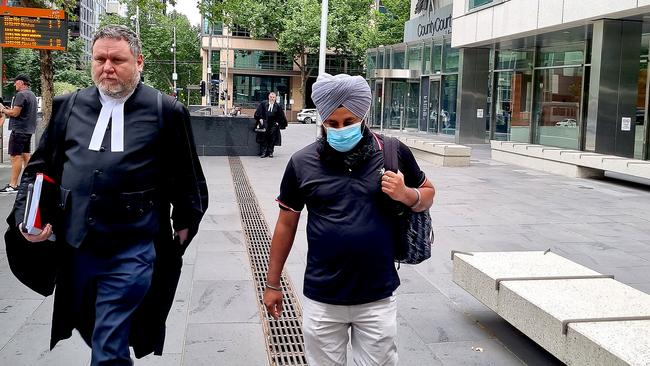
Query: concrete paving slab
[(220, 241), (221, 222), (223, 265), (411, 350), (434, 320), (13, 314), (167, 359), (486, 352), (30, 346), (231, 344), (223, 301)]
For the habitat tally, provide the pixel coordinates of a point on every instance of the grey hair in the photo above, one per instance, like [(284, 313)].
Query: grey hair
[(120, 32)]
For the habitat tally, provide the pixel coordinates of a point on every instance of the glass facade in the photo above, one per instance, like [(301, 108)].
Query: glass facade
[(476, 3), (261, 60), (404, 97), (250, 90), (537, 89)]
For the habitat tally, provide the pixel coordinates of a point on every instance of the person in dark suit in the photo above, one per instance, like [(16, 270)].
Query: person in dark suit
[(123, 154), (270, 115)]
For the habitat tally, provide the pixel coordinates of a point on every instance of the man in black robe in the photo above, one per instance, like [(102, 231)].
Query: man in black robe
[(123, 154), (271, 116)]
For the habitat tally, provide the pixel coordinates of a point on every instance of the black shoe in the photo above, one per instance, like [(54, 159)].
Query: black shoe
[(262, 156), (270, 155), (9, 189)]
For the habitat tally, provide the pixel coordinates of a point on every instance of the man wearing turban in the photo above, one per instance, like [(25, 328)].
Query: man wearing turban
[(350, 276)]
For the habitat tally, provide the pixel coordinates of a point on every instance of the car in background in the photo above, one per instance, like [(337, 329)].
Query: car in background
[(307, 115), (567, 122)]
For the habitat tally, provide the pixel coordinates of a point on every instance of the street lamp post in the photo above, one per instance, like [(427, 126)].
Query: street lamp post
[(174, 75), (321, 56)]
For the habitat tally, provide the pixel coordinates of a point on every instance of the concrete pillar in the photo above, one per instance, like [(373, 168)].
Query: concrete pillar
[(473, 72), (616, 47)]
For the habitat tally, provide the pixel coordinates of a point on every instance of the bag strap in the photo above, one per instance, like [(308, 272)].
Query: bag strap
[(160, 111), (390, 154)]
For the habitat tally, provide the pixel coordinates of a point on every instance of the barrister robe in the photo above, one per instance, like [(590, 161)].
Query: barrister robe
[(114, 198)]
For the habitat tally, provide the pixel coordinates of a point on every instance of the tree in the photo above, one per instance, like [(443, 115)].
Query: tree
[(295, 25), (69, 67), (46, 64), (388, 26), (156, 35)]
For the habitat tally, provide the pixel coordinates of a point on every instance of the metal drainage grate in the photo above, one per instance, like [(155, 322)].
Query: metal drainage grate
[(284, 337)]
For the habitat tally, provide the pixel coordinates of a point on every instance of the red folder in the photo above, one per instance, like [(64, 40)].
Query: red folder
[(41, 203)]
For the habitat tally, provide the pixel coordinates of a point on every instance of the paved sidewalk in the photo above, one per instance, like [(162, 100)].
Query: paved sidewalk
[(604, 225)]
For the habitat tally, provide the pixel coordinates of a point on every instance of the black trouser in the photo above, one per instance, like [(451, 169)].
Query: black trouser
[(270, 138)]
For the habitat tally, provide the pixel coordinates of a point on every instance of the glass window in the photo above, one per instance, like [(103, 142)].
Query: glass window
[(426, 60), (412, 105), (557, 106), (394, 104), (415, 58), (436, 62), (238, 31), (283, 62), (251, 90), (448, 104), (216, 60), (514, 59), (380, 59), (570, 54), (397, 59), (476, 3), (371, 61), (512, 105), (449, 58), (641, 97)]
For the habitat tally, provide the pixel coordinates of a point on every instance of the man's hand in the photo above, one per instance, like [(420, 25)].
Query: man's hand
[(273, 302), (44, 235), (393, 185), (182, 235)]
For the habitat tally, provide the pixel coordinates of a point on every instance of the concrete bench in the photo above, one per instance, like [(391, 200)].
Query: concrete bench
[(439, 153), (580, 316), (572, 163)]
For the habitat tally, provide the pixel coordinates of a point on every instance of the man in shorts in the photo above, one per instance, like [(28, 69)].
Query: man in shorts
[(22, 125)]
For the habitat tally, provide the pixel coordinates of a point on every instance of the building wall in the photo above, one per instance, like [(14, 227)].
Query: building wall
[(518, 18)]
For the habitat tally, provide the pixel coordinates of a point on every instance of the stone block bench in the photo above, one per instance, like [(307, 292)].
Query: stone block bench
[(580, 316), (440, 153), (572, 163)]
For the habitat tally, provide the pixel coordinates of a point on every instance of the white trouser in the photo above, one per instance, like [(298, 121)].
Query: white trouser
[(373, 328)]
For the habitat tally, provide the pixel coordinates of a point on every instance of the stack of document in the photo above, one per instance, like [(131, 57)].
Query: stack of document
[(40, 205)]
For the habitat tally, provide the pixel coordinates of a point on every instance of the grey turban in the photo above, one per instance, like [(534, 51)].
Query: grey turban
[(330, 92)]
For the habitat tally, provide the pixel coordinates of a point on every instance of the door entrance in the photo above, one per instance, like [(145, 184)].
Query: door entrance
[(434, 106)]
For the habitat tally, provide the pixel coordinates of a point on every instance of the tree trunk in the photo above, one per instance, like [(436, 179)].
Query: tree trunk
[(47, 84)]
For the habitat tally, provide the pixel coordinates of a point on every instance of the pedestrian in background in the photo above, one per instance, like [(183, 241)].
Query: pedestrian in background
[(271, 116), (124, 155), (350, 277), (22, 126)]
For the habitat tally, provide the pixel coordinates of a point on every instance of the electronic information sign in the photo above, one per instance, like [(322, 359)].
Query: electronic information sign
[(42, 29)]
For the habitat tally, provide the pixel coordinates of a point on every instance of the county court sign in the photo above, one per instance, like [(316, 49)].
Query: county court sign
[(434, 24)]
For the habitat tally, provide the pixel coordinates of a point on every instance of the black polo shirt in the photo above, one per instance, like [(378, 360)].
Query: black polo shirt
[(349, 230)]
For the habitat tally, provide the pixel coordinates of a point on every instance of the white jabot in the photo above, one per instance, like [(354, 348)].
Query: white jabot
[(270, 107), (112, 110)]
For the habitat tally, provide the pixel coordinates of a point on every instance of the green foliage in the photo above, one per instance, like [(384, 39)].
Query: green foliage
[(156, 35), (388, 27), (61, 88), (20, 61), (69, 67)]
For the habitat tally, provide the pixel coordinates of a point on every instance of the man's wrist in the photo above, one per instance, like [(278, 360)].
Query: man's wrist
[(274, 287)]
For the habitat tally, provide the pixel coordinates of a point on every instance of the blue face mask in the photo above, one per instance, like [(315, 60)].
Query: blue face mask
[(345, 138)]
